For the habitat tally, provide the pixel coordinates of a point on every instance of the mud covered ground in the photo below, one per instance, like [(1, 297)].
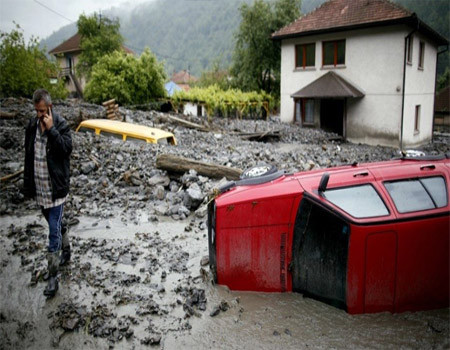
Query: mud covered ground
[(139, 276)]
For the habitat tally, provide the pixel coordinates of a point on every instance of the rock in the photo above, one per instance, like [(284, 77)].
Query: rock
[(159, 180), (204, 261), (202, 211), (215, 311), (193, 197), (86, 168), (154, 339), (159, 192), (224, 306)]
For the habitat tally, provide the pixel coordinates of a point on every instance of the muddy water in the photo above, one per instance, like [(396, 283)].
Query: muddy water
[(120, 266)]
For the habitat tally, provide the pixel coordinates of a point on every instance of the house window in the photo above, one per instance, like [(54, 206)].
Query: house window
[(304, 111), (409, 48), (421, 54), (305, 55), (417, 120), (333, 53)]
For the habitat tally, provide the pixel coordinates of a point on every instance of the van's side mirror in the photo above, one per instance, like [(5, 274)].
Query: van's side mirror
[(323, 183)]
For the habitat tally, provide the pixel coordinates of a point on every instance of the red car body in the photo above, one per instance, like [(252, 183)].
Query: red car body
[(288, 235)]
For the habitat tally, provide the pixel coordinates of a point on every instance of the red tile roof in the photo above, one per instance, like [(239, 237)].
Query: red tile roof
[(70, 45), (335, 15), (73, 45), (183, 77)]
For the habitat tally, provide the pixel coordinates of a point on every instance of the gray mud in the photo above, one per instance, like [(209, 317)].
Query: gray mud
[(132, 286), (139, 273)]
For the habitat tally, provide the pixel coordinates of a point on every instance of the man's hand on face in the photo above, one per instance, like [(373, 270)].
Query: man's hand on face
[(44, 113), (47, 120)]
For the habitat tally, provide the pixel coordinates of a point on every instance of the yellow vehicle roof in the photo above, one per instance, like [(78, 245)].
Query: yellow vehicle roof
[(151, 135)]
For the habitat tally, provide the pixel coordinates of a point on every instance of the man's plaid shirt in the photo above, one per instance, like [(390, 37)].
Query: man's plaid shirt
[(41, 175)]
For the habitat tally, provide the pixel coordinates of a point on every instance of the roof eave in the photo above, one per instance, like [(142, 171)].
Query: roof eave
[(53, 52), (410, 20)]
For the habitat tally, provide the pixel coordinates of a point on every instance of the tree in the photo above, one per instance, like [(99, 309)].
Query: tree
[(128, 79), (444, 80), (25, 68), (99, 37), (215, 76), (256, 58)]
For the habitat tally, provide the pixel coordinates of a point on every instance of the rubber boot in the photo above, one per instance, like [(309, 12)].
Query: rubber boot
[(65, 253), (52, 284)]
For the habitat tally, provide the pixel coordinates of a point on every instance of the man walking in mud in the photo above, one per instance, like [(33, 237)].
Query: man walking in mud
[(48, 145)]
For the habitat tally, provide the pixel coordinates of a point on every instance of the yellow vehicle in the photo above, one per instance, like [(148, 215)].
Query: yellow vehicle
[(126, 131)]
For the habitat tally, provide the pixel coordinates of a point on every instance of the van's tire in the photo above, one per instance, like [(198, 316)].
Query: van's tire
[(258, 171)]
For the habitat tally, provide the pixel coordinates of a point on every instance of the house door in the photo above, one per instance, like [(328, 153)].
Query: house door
[(70, 65), (332, 116)]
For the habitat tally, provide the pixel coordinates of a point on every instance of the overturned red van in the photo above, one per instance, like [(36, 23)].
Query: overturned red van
[(365, 237)]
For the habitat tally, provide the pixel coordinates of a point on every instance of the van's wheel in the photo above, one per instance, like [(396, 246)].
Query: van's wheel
[(258, 170)]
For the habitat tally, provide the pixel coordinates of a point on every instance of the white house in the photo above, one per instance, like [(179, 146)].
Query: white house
[(365, 69)]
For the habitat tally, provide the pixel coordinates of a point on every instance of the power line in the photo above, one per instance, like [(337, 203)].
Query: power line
[(48, 8)]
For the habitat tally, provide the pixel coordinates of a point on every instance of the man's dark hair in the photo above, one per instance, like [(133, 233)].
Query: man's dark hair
[(42, 94)]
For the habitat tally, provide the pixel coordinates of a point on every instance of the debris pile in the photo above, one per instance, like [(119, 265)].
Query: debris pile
[(108, 173)]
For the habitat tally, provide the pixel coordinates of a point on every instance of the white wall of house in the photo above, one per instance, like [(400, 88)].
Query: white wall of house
[(374, 64), (192, 109), (419, 91), (62, 62)]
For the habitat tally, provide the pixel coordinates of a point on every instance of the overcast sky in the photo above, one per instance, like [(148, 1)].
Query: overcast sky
[(38, 17)]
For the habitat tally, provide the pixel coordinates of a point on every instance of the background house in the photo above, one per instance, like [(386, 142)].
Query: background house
[(365, 69), (183, 79), (67, 55)]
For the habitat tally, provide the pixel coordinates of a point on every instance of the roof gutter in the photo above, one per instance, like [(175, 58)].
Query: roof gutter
[(408, 37)]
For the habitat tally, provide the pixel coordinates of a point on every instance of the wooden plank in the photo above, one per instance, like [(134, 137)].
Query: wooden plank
[(7, 115), (180, 165), (11, 176), (109, 102)]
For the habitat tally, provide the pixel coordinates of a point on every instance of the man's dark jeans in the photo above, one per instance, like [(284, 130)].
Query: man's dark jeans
[(54, 218)]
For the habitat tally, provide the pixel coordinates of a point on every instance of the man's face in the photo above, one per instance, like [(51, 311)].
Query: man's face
[(41, 109)]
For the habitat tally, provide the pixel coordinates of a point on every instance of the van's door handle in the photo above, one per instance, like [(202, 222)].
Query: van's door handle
[(362, 173), (428, 166)]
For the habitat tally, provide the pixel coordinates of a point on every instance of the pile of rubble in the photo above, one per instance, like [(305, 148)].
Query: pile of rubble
[(110, 173), (150, 278)]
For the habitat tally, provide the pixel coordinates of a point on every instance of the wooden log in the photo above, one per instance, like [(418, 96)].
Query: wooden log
[(11, 176), (180, 165), (260, 136), (186, 124), (109, 102), (7, 115)]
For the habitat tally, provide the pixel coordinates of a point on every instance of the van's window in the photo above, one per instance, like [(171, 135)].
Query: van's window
[(83, 129), (163, 141), (359, 201), (135, 139), (418, 194), (111, 134)]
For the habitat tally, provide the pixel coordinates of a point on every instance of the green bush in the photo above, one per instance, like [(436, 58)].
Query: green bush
[(128, 79), (25, 68), (225, 102)]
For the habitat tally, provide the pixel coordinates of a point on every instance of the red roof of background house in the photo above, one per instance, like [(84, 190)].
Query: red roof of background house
[(335, 15), (183, 77), (442, 102), (73, 44)]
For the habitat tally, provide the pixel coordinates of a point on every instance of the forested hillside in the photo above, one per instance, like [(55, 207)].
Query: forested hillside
[(190, 34)]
